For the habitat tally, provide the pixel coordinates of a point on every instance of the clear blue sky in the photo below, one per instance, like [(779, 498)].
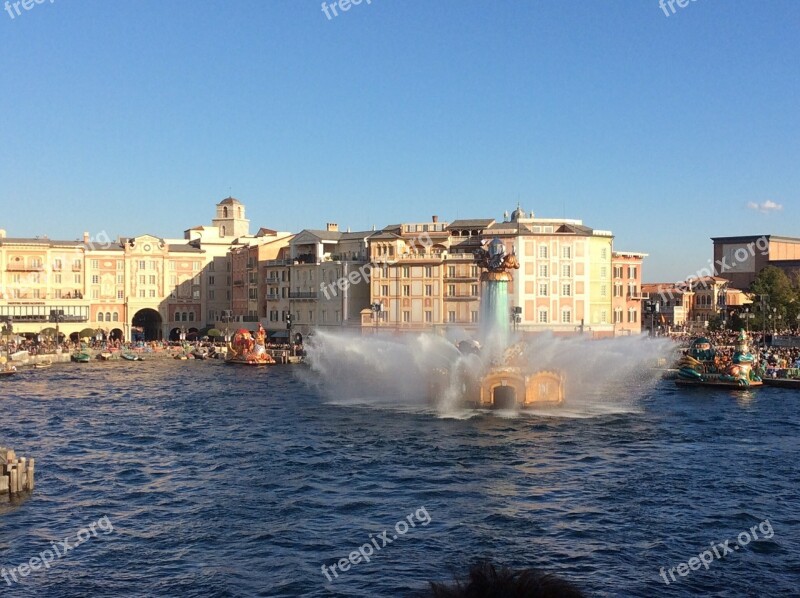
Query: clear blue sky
[(137, 117)]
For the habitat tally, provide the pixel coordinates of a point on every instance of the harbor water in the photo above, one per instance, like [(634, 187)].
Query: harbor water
[(224, 481)]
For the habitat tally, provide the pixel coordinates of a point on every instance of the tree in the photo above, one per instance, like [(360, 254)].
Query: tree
[(781, 298)]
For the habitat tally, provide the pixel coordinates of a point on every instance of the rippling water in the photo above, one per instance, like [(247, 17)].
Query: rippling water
[(222, 481)]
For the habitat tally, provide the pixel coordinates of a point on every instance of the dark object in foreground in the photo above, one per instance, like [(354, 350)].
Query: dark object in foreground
[(486, 581)]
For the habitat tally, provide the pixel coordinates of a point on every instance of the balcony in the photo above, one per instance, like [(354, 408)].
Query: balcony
[(460, 297), (638, 296), (303, 295), (461, 277), (24, 268), (272, 297), (272, 280), (77, 267)]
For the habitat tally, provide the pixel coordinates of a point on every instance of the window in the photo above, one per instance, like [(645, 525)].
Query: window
[(566, 316), (95, 293), (428, 290), (474, 271), (95, 279), (632, 316), (152, 279), (543, 270), (115, 317), (428, 316), (451, 271), (451, 316), (57, 278), (142, 264), (543, 251), (617, 271), (100, 316), (406, 316), (191, 316), (603, 272), (120, 264), (451, 290), (428, 271), (566, 252), (211, 280), (77, 279), (108, 316), (603, 290), (142, 279), (474, 316), (406, 271), (603, 317), (566, 290), (543, 289), (385, 290), (475, 290), (406, 290), (120, 294), (56, 264), (604, 253), (58, 293), (543, 316), (566, 271), (120, 279), (96, 265), (211, 294), (152, 293)]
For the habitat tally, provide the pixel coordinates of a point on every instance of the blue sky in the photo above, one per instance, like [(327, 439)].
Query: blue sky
[(137, 117)]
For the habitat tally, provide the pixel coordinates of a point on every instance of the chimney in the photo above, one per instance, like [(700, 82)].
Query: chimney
[(85, 238), (435, 218), (333, 227)]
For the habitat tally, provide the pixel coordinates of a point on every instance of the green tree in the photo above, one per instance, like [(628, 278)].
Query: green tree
[(781, 298)]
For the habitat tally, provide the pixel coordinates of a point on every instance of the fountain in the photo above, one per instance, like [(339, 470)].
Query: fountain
[(505, 379)]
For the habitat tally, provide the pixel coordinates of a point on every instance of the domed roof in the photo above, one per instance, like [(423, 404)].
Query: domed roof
[(517, 214), (229, 201)]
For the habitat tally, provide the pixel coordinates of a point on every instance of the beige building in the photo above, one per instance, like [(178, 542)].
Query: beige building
[(424, 277)]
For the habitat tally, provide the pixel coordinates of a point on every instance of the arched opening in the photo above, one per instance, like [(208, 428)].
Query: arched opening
[(191, 334), (74, 337), (224, 212), (175, 334), (504, 397), (146, 325), (116, 335)]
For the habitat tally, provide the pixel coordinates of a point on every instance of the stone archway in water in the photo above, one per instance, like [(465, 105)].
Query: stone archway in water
[(149, 320)]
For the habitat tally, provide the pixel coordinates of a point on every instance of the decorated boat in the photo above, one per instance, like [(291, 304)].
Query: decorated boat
[(704, 366), (250, 349), (131, 357), (792, 383)]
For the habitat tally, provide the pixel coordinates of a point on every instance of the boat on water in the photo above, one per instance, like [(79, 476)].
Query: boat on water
[(249, 349), (131, 357), (703, 366), (80, 357), (7, 370), (105, 356), (42, 365), (792, 383)]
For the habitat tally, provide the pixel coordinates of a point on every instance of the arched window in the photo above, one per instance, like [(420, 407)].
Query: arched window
[(183, 316), (115, 317), (108, 316), (223, 231), (191, 316), (99, 316), (224, 212), (240, 212)]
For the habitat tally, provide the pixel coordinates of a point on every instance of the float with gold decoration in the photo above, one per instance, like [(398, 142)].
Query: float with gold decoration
[(247, 348), (704, 366)]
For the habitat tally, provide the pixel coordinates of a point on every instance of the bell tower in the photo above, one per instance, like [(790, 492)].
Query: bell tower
[(230, 218)]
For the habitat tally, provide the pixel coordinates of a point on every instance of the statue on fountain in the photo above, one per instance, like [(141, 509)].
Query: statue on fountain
[(496, 262)]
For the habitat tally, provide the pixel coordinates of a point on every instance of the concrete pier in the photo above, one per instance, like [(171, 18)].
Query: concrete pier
[(17, 474)]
